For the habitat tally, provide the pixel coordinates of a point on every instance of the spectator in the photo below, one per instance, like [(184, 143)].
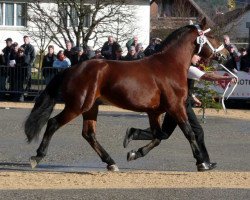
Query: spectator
[(235, 55), (228, 43), (1, 59), (62, 61), (245, 60), (89, 51), (6, 51), (232, 60), (3, 71), (30, 56), (69, 51), (109, 48), (18, 75), (98, 55), (13, 54), (131, 54), (11, 65), (153, 46), (79, 56), (242, 51), (132, 42), (139, 51), (47, 64), (118, 54)]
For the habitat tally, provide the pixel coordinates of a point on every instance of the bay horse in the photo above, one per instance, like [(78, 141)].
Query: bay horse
[(155, 84)]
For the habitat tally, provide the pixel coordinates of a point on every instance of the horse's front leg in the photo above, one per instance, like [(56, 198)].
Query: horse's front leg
[(154, 120), (88, 132)]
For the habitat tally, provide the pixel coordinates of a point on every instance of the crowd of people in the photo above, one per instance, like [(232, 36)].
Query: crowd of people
[(20, 59), (239, 59)]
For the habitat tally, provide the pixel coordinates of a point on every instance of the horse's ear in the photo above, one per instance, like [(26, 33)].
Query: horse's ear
[(203, 23)]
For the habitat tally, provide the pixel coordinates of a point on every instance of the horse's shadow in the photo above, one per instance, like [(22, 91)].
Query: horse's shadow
[(25, 167), (127, 115)]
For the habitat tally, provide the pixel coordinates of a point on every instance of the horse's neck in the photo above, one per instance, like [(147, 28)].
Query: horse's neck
[(182, 50)]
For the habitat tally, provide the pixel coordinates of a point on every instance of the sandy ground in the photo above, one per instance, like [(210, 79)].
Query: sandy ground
[(134, 179), (125, 180)]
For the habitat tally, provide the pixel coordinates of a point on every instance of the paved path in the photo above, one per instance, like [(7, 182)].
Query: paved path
[(228, 141)]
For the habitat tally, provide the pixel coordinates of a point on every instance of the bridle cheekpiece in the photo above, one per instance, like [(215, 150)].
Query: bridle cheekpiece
[(202, 39)]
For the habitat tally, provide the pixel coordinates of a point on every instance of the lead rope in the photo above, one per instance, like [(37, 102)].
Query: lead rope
[(201, 40), (223, 95)]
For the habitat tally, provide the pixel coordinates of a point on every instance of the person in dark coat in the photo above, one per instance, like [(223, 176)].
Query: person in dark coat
[(79, 56), (109, 48), (69, 52), (118, 54), (47, 64), (98, 55), (139, 51), (4, 69), (30, 56), (131, 55), (153, 46), (245, 61), (19, 74)]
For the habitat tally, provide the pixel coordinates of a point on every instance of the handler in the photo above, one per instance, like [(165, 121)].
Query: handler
[(169, 123)]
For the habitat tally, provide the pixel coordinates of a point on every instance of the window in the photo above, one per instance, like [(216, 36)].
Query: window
[(13, 14), (72, 16), (20, 14), (9, 14), (1, 13)]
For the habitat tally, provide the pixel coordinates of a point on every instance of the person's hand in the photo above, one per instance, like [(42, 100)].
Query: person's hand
[(197, 102), (233, 80)]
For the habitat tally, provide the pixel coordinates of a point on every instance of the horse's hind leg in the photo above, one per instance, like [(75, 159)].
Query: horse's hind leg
[(89, 131), (53, 124), (154, 121)]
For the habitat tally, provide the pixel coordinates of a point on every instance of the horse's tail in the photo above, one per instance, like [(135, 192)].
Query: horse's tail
[(43, 108)]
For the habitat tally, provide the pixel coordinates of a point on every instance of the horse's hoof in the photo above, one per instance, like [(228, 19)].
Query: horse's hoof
[(113, 168), (131, 155), (34, 160)]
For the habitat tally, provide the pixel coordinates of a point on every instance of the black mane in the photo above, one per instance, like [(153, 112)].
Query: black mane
[(175, 35)]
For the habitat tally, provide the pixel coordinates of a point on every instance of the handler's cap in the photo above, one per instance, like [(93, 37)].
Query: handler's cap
[(8, 39)]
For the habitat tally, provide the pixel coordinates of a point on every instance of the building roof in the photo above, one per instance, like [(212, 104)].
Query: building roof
[(231, 15), (197, 8), (202, 13)]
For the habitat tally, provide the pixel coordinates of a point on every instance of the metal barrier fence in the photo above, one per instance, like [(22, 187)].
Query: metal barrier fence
[(16, 82)]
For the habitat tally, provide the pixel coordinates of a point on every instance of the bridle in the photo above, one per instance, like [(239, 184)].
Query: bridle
[(202, 40)]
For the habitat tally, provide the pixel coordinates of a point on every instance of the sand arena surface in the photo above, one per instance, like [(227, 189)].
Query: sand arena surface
[(125, 180), (133, 179)]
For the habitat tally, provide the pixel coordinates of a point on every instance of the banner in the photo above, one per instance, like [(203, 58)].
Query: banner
[(242, 91)]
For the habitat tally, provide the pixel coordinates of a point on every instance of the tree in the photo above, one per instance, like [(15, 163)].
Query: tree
[(207, 95), (79, 21)]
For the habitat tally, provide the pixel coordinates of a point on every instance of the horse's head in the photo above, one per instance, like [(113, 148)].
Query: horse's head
[(207, 46)]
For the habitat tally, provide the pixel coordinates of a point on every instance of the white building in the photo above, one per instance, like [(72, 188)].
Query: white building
[(13, 21)]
